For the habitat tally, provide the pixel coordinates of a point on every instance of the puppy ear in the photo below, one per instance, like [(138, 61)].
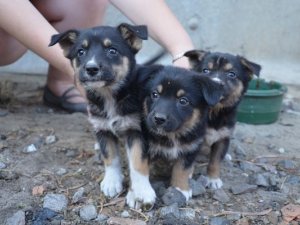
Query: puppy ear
[(134, 35), (251, 67), (146, 73), (65, 40), (211, 90), (195, 57)]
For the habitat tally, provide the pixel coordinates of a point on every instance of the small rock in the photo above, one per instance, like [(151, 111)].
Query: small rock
[(170, 210), (38, 190), (281, 150), (42, 216), (172, 195), (8, 175), (50, 139), (101, 218), (287, 164), (247, 166), (30, 148), (273, 217), (197, 187), (187, 213), (219, 221), (240, 152), (55, 202), (124, 221), (293, 179), (78, 195), (242, 188), (159, 188), (125, 214), (271, 146), (221, 196), (88, 212), (259, 180), (2, 165), (17, 219), (61, 171)]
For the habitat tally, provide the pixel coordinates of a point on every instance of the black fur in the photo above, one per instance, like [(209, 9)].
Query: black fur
[(234, 74)]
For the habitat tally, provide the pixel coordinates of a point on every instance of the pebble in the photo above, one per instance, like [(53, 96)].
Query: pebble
[(242, 188), (42, 216), (50, 139), (197, 187), (172, 195), (3, 112), (170, 210), (61, 171), (17, 219), (219, 221), (101, 218), (221, 196), (293, 180), (239, 152), (287, 164), (187, 213), (78, 195), (259, 180), (55, 202), (88, 212), (281, 150), (8, 175), (124, 221), (2, 165), (30, 148), (248, 166), (125, 214)]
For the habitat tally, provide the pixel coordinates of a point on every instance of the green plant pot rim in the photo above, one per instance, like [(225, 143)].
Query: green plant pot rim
[(272, 92)]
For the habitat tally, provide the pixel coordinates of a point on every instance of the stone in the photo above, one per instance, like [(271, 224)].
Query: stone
[(187, 213), (219, 221), (101, 218), (2, 165), (43, 215), (78, 195), (170, 210), (30, 148), (124, 221), (61, 171), (125, 214), (50, 139), (17, 219), (172, 195), (242, 188), (259, 180), (248, 166), (287, 164), (55, 202), (88, 212), (221, 196), (197, 187)]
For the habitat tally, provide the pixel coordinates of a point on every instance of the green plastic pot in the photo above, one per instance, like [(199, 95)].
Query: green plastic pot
[(261, 103)]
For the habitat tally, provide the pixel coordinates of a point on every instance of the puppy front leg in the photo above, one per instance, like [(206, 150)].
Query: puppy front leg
[(111, 184), (181, 173), (141, 192), (218, 151)]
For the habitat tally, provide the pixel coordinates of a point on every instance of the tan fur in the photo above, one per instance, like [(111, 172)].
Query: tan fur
[(85, 43), (210, 65), (111, 149), (180, 93), (189, 124), (121, 69), (160, 88), (181, 175), (106, 42), (228, 66), (139, 163)]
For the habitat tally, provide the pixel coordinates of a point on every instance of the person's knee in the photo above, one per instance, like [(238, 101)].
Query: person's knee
[(10, 50)]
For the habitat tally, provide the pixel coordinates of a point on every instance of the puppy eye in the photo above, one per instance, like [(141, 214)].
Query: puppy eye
[(112, 51), (231, 74), (80, 52), (205, 70), (154, 95), (183, 101)]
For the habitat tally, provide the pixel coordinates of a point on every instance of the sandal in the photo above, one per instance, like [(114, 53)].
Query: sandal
[(62, 102)]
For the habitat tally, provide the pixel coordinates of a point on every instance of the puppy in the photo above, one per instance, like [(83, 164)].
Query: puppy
[(234, 74), (104, 62), (175, 111)]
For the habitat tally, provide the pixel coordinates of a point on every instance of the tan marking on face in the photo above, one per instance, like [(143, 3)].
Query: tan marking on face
[(180, 93), (145, 108), (210, 65), (85, 43), (228, 66), (234, 96), (107, 42), (181, 175), (139, 163), (159, 88), (111, 150), (121, 70), (73, 36), (191, 122)]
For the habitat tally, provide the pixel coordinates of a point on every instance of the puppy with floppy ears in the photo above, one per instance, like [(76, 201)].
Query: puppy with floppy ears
[(104, 62), (175, 111), (234, 74)]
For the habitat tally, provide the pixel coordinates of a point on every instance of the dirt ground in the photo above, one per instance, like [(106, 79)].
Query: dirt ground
[(24, 120)]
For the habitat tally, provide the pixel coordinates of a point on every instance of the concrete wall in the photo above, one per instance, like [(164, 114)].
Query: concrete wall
[(266, 32)]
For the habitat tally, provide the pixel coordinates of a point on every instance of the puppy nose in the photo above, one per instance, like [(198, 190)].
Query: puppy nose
[(160, 119), (92, 68)]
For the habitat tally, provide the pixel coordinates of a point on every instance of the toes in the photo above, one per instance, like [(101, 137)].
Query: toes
[(214, 183), (111, 187), (143, 199)]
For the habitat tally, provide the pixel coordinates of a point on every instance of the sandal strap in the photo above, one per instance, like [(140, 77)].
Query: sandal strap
[(65, 95)]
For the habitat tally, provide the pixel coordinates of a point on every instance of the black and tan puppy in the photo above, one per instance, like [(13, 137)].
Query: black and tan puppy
[(104, 62), (175, 110), (234, 74)]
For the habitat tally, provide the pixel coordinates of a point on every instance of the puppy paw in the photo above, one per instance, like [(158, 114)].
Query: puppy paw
[(187, 194), (214, 183), (141, 198), (111, 185)]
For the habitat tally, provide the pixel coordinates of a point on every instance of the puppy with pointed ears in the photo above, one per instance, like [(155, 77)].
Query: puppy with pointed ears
[(233, 73), (103, 59), (176, 103)]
